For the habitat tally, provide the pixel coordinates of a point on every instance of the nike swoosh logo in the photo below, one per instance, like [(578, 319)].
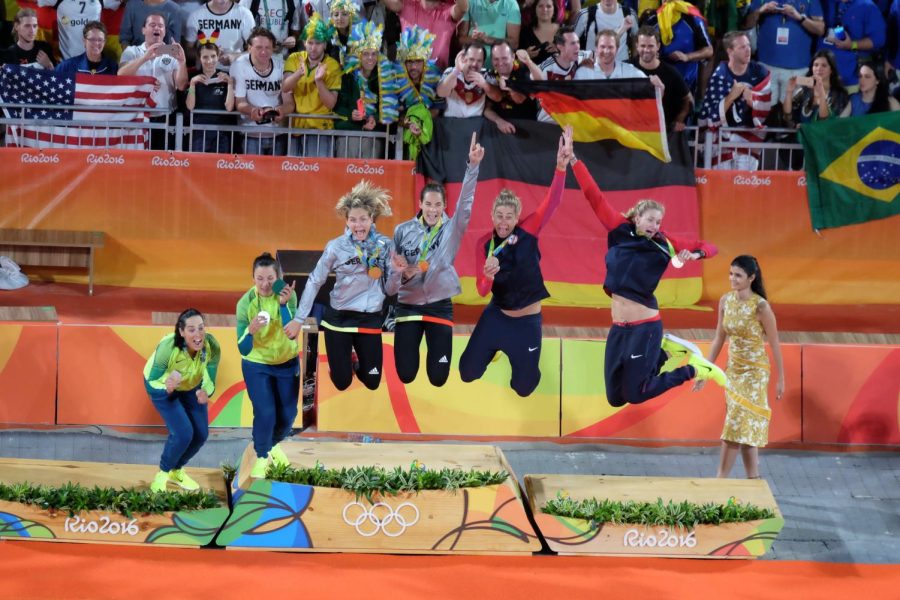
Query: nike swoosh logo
[(636, 355), (533, 349)]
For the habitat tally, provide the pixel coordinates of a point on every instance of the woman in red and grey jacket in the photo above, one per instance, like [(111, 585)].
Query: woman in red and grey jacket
[(638, 254), (508, 264)]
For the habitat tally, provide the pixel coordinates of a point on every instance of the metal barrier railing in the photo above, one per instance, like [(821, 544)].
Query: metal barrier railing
[(726, 147), (170, 132), (735, 148)]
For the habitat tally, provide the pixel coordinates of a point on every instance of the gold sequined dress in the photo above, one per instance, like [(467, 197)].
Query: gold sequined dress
[(747, 409)]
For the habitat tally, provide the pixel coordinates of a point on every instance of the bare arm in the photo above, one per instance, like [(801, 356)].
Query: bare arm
[(512, 35), (719, 339), (767, 320), (460, 7)]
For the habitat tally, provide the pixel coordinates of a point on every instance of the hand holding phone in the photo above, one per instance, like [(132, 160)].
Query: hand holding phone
[(167, 49), (806, 81)]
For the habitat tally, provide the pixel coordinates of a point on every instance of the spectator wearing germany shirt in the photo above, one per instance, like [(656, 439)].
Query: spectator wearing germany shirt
[(222, 22)]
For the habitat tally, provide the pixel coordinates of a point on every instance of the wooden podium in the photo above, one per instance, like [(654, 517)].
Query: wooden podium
[(29, 522), (471, 520), (566, 535)]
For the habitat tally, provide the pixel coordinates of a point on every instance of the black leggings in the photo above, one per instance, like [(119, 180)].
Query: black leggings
[(439, 343), (339, 345)]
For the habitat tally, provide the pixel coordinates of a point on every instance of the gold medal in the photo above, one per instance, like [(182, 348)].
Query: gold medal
[(375, 272), (423, 265)]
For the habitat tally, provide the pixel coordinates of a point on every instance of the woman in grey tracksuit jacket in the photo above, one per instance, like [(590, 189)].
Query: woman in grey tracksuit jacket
[(360, 260), (424, 279)]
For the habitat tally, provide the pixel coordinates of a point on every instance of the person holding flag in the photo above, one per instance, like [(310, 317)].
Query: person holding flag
[(638, 255), (508, 263), (360, 260), (424, 277)]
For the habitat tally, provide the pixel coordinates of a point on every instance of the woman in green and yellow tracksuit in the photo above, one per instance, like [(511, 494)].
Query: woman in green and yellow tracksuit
[(180, 377), (270, 363)]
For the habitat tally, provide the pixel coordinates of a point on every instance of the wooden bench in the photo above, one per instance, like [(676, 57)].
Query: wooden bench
[(53, 248)]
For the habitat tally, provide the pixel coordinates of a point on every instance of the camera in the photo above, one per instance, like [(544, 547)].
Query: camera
[(269, 115)]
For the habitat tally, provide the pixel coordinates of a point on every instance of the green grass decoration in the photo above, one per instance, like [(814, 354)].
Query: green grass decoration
[(75, 498), (683, 515), (368, 481)]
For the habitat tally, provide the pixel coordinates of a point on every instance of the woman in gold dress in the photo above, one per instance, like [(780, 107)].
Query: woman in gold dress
[(746, 320)]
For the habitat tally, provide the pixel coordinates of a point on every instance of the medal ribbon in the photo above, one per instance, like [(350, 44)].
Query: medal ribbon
[(429, 237), (363, 252), (492, 252)]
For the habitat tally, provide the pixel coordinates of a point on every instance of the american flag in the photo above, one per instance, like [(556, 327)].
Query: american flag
[(20, 85)]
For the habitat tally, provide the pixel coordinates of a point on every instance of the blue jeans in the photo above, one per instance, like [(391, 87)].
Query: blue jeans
[(212, 141), (311, 145), (271, 145), (274, 392), (188, 424)]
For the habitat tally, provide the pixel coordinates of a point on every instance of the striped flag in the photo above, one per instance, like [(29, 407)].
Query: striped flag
[(42, 88), (626, 110)]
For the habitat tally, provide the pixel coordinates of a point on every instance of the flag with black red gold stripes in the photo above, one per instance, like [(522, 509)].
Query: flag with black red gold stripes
[(626, 110)]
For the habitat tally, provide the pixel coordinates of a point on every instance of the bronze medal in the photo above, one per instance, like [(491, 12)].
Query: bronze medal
[(423, 265), (374, 272)]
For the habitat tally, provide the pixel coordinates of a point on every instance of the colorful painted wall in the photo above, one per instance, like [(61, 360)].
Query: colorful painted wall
[(842, 394), (193, 221)]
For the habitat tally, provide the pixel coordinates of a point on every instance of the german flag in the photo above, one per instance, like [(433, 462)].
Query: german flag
[(626, 110), (574, 243)]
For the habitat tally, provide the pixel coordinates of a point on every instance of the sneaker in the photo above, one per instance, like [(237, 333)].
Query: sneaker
[(259, 468), (159, 482), (675, 346), (705, 370), (182, 479), (278, 456)]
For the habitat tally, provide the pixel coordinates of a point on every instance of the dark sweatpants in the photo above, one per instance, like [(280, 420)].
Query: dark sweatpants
[(517, 337), (632, 363)]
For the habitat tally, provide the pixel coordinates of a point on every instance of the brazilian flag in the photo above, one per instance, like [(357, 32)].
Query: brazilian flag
[(852, 169)]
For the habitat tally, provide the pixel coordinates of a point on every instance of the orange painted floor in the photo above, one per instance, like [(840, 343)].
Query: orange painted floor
[(133, 306), (39, 570)]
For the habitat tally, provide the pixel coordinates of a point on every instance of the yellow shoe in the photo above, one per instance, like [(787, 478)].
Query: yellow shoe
[(259, 468), (160, 482), (278, 456), (180, 478), (706, 370), (675, 346)]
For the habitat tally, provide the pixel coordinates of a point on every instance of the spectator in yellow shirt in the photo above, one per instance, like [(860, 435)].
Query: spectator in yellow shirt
[(315, 80)]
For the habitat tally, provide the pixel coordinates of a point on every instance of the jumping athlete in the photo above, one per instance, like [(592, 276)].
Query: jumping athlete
[(425, 279), (270, 364), (180, 377), (509, 263), (360, 260), (638, 254)]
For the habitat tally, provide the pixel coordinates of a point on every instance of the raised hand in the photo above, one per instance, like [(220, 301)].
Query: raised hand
[(476, 151)]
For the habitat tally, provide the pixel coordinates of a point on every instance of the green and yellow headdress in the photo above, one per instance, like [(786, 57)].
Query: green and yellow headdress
[(349, 6), (415, 44), (365, 35), (317, 29)]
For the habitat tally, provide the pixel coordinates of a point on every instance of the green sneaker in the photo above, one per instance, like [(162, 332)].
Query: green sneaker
[(159, 482), (259, 468), (675, 346), (706, 370), (278, 456), (180, 478)]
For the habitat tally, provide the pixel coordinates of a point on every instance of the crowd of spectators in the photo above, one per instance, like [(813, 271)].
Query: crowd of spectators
[(364, 65)]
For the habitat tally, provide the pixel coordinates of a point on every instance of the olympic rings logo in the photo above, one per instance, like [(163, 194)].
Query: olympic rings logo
[(381, 517)]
